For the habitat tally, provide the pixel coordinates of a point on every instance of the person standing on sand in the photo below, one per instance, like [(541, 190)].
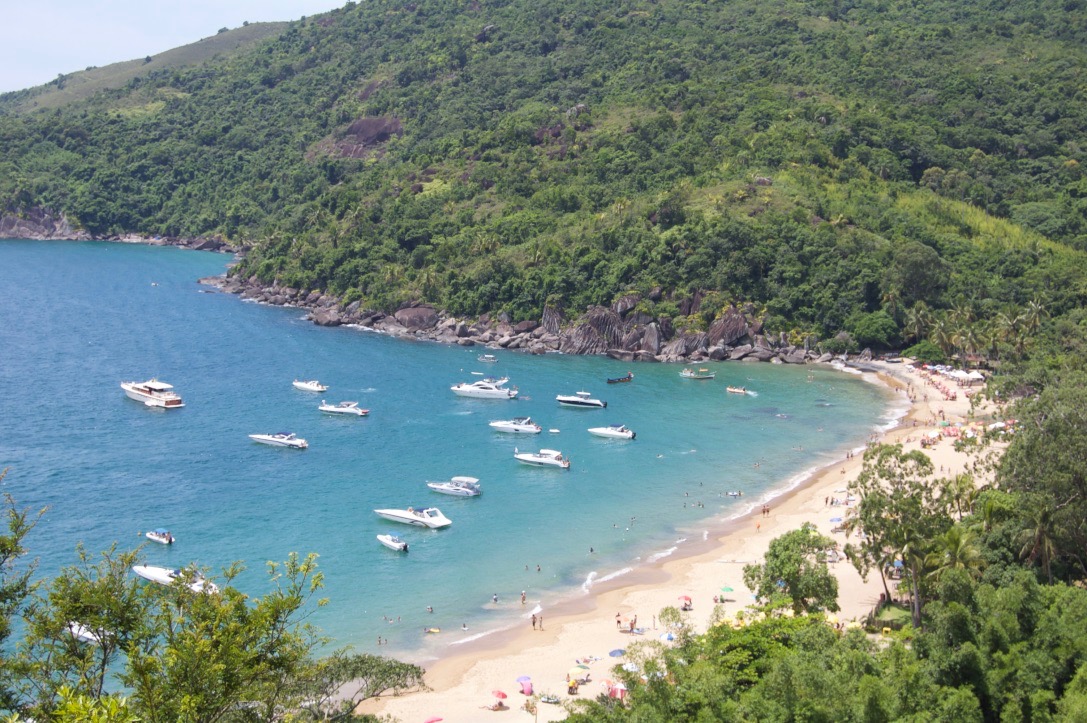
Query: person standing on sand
[(534, 621), (541, 622)]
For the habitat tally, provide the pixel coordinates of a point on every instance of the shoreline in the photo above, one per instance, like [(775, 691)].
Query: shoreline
[(580, 627)]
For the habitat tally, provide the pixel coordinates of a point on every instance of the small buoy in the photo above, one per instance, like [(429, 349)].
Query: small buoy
[(553, 430)]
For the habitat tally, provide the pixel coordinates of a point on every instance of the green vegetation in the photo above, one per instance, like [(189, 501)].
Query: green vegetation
[(893, 171)]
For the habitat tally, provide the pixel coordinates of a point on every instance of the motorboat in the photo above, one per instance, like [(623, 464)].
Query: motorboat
[(487, 358), (580, 400), (343, 408), (311, 385), (280, 439), (613, 431), (619, 380), (153, 393), (166, 576), (517, 425), (393, 542), (702, 373), (430, 517), (488, 388), (82, 633), (543, 458), (458, 487), (160, 535), (736, 390)]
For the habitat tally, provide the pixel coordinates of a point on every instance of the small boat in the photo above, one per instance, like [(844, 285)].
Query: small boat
[(393, 542), (280, 439), (736, 390), (153, 393), (517, 425), (620, 380), (487, 358), (488, 388), (343, 408), (430, 517), (613, 431), (311, 385), (702, 373), (543, 458), (458, 487), (82, 633), (581, 400), (166, 576), (160, 535)]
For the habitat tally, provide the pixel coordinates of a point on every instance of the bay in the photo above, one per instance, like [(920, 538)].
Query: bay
[(78, 318)]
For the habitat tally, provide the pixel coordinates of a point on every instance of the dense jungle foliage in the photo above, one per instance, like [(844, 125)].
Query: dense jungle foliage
[(896, 170)]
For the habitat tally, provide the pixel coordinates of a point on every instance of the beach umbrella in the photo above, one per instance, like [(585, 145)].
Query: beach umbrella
[(898, 563), (617, 653), (726, 588), (433, 719), (835, 519), (498, 694), (667, 637), (685, 598), (581, 666), (576, 672), (524, 679)]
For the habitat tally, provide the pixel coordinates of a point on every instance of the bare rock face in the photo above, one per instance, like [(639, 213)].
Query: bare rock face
[(607, 323), (39, 224), (625, 304), (729, 329), (651, 339), (677, 348), (525, 327), (740, 352), (620, 354), (633, 339), (552, 319), (584, 339), (417, 317)]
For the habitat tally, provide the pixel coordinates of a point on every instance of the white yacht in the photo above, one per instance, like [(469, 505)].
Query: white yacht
[(160, 535), (701, 373), (581, 400), (393, 542), (343, 408), (82, 633), (430, 517), (543, 458), (487, 358), (458, 487), (153, 393), (166, 576), (517, 425), (311, 385), (280, 439), (613, 431), (485, 389)]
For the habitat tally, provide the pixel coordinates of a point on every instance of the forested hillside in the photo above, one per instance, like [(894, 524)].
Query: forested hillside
[(896, 170)]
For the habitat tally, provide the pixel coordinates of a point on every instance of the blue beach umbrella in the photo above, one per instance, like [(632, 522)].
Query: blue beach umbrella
[(617, 653), (835, 519)]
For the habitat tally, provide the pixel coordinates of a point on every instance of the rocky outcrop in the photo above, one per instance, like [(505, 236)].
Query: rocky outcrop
[(39, 224), (619, 332)]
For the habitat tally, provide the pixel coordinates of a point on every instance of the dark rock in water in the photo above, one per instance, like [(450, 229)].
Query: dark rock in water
[(797, 357), (824, 358), (417, 317), (718, 353), (621, 354), (740, 352), (327, 317), (645, 356), (762, 353)]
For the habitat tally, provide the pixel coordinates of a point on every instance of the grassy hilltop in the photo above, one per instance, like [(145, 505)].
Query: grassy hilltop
[(874, 167)]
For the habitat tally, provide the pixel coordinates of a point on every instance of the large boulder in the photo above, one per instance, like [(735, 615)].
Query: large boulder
[(625, 303), (524, 327), (729, 328), (740, 352), (620, 354), (552, 319), (327, 317), (633, 339), (417, 317), (584, 339), (606, 323), (651, 339)]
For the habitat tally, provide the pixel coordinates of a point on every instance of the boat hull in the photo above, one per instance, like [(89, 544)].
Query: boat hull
[(393, 543), (484, 394), (273, 442), (610, 434), (407, 518)]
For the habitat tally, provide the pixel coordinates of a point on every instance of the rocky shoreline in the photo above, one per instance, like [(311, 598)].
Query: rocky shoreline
[(618, 331)]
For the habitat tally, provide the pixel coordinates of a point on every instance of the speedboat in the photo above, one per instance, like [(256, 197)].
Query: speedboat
[(430, 517), (517, 425), (166, 576), (393, 542), (82, 633), (543, 458), (458, 487), (613, 431), (581, 400), (487, 358), (280, 439), (702, 373), (736, 390), (160, 535), (488, 388), (153, 393), (311, 385), (343, 408), (620, 380)]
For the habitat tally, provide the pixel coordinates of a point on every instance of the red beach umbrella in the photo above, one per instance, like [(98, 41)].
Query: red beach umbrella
[(433, 719), (498, 694), (686, 598)]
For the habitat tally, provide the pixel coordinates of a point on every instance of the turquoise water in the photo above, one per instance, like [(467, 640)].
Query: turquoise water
[(78, 318)]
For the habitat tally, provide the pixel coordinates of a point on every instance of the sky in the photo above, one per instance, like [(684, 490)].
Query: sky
[(45, 38)]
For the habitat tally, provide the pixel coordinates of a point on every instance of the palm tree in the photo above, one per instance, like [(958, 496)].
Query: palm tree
[(942, 336), (961, 491), (918, 320), (1038, 540), (955, 550)]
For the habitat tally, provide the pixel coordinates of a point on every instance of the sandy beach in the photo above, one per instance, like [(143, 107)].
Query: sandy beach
[(584, 631)]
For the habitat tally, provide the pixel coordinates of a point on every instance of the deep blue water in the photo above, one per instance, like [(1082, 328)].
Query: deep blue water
[(78, 318)]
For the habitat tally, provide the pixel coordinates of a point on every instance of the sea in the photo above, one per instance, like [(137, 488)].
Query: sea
[(78, 318)]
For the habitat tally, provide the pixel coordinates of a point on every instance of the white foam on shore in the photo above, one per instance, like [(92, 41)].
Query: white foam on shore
[(588, 584), (661, 555), (592, 578), (479, 636)]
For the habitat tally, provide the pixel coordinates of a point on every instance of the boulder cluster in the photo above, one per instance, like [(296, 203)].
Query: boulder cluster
[(619, 331)]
